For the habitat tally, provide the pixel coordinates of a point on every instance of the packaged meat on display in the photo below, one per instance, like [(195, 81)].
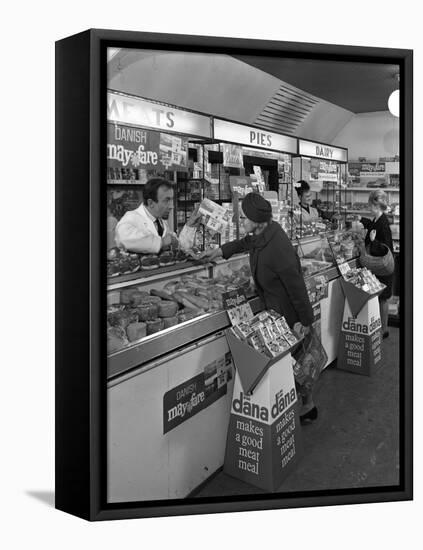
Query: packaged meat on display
[(120, 262), (134, 312), (267, 332), (364, 279)]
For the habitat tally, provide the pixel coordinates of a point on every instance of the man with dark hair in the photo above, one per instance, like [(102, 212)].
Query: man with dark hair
[(145, 229)]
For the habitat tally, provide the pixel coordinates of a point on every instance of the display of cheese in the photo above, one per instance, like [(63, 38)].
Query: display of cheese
[(143, 312), (136, 297), (167, 309), (120, 319), (113, 297), (126, 294), (170, 321), (116, 339), (154, 326), (178, 301), (135, 331)]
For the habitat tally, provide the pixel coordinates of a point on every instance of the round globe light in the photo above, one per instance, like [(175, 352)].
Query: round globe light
[(393, 103)]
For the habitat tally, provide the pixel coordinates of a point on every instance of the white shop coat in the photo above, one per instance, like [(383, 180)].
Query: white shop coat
[(137, 232), (306, 217)]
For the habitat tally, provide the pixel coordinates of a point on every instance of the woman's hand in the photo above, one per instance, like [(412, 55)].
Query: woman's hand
[(373, 235), (301, 330), (211, 254)]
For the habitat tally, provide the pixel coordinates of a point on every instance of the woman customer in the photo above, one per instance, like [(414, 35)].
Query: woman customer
[(276, 271), (378, 234)]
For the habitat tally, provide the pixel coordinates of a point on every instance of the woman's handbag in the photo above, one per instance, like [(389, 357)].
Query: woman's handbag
[(310, 359), (381, 266)]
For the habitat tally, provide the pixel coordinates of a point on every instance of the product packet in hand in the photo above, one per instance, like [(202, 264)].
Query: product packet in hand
[(237, 306), (215, 217)]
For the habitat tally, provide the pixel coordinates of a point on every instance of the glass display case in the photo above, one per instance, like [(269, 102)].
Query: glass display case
[(317, 254), (155, 304)]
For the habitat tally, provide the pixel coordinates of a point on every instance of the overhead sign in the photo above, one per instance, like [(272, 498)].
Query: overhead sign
[(254, 137), (141, 112), (319, 150)]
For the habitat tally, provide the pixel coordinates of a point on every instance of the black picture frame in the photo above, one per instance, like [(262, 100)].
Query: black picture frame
[(80, 273)]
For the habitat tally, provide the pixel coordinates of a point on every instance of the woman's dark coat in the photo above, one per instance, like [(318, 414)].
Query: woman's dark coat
[(383, 236), (276, 271)]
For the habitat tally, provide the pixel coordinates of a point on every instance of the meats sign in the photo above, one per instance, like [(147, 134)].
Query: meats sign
[(136, 111)]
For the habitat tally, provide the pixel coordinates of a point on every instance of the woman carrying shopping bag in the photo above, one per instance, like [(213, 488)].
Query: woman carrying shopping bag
[(378, 243), (276, 271)]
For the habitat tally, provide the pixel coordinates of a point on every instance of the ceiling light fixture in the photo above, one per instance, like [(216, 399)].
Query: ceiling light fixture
[(393, 101)]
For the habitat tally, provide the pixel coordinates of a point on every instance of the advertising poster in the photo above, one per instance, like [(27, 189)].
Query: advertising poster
[(173, 152), (264, 436), (321, 171), (261, 184), (136, 148), (132, 148), (232, 155), (360, 342), (192, 396), (241, 185)]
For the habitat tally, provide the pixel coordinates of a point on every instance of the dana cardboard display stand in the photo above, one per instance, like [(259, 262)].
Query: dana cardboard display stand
[(264, 440), (360, 342)]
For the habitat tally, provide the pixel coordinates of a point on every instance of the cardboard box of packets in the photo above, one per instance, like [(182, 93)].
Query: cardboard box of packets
[(360, 347), (264, 434)]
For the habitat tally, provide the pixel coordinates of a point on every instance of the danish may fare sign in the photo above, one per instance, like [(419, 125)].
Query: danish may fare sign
[(322, 151), (138, 112), (254, 137)]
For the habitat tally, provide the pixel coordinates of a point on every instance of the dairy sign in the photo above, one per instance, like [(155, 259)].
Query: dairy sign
[(135, 111), (322, 151), (264, 438), (253, 137)]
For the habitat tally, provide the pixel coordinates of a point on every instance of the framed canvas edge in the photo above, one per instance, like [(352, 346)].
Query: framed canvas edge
[(92, 505)]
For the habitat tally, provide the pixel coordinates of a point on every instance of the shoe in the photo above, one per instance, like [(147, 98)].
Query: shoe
[(309, 416), (385, 335)]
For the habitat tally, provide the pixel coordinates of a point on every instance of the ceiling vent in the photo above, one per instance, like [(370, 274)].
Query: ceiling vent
[(286, 110)]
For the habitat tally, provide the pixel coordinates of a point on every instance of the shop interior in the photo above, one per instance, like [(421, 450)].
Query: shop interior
[(315, 122)]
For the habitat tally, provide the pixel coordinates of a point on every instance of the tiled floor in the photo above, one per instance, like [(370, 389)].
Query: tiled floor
[(355, 440)]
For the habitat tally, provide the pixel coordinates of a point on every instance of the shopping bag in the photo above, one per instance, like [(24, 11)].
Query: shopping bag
[(380, 266), (310, 359)]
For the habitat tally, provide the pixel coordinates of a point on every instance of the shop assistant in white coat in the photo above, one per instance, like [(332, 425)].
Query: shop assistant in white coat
[(145, 229), (308, 213)]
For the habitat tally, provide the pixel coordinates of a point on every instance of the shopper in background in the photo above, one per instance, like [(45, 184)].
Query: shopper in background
[(276, 270), (379, 232), (145, 230)]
